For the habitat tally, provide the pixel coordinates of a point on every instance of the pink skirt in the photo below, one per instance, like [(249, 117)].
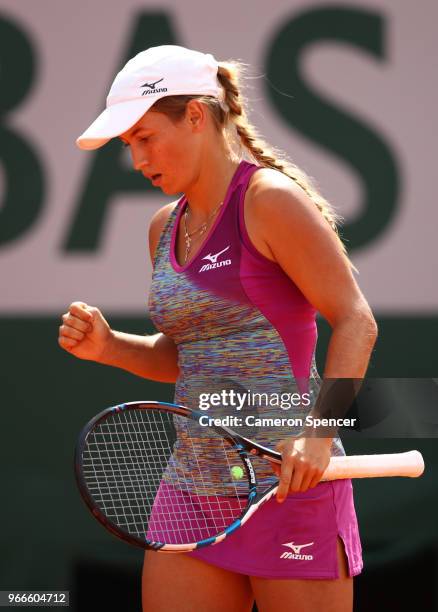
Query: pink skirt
[(295, 539)]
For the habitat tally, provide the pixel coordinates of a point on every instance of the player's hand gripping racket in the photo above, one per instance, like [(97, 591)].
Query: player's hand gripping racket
[(134, 481)]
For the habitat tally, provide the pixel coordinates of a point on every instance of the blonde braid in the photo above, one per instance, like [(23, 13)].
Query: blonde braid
[(262, 153)]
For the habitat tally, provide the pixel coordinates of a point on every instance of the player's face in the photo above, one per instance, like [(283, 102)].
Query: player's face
[(167, 153)]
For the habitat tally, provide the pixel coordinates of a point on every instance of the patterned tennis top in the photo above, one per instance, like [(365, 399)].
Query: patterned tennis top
[(244, 331)]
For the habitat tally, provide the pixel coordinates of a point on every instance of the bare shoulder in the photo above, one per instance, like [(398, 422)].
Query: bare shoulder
[(157, 224), (277, 210), (273, 193)]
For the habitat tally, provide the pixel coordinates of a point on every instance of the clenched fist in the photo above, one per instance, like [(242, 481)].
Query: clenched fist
[(84, 332)]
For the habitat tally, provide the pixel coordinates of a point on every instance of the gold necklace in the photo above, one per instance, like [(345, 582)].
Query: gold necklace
[(201, 229)]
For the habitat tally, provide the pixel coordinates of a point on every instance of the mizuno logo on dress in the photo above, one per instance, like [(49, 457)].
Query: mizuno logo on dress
[(151, 88), (214, 263), (296, 554)]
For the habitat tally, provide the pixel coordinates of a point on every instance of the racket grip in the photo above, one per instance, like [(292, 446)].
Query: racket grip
[(371, 466)]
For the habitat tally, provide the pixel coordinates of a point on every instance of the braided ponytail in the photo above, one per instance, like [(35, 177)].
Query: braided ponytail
[(259, 150)]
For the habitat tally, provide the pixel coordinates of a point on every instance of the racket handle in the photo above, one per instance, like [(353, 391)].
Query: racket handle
[(371, 466)]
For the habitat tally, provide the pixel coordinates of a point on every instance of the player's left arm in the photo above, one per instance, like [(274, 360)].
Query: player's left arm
[(292, 231)]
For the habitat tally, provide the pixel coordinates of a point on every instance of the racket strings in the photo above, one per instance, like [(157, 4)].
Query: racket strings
[(218, 512), (136, 476)]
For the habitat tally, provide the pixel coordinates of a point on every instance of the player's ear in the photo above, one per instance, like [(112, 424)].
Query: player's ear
[(196, 115)]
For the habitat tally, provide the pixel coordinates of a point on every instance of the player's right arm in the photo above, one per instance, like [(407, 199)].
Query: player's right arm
[(86, 334)]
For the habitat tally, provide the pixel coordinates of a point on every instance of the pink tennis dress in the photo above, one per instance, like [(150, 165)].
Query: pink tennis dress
[(241, 325)]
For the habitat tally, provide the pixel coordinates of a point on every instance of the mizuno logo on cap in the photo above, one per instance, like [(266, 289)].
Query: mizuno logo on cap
[(151, 88)]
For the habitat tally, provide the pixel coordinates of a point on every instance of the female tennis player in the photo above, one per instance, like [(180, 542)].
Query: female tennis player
[(242, 263)]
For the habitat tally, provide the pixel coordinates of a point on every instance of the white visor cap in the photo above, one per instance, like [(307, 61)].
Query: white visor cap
[(158, 72)]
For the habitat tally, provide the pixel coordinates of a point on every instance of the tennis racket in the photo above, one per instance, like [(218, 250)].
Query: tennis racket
[(133, 478)]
